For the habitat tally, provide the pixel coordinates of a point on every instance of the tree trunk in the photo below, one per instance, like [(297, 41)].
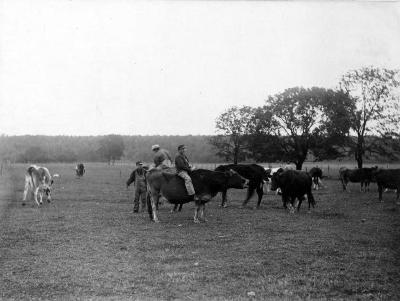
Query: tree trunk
[(299, 165), (359, 152), (359, 161)]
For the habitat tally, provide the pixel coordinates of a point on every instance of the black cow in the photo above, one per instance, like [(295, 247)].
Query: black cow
[(387, 178), (359, 175), (206, 183), (80, 169), (316, 175), (294, 184), (256, 175)]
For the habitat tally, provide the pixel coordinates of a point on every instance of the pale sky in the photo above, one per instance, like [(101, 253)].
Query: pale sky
[(170, 68)]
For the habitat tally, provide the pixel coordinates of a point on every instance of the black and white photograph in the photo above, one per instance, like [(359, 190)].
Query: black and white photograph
[(199, 150)]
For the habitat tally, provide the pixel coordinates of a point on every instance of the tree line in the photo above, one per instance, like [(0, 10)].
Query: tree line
[(108, 148), (359, 119)]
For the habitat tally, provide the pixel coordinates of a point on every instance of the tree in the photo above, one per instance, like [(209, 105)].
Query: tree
[(376, 114), (332, 137), (234, 125), (304, 119), (263, 145), (111, 148), (33, 154)]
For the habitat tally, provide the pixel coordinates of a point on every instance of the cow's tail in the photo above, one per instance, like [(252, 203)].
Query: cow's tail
[(149, 207)]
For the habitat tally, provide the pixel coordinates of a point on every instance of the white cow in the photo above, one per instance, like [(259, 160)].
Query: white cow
[(38, 180)]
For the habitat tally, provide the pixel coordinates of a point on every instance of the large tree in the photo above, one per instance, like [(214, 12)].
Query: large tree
[(304, 119), (233, 127), (377, 115)]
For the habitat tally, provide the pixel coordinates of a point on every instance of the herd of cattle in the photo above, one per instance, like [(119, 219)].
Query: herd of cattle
[(292, 184)]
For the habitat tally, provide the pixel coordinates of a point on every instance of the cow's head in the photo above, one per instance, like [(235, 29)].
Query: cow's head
[(275, 181), (235, 180), (267, 174)]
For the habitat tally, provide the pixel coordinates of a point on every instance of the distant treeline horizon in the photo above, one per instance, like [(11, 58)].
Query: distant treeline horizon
[(69, 149), (62, 148)]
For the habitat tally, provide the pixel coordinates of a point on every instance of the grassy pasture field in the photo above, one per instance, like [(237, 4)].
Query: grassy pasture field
[(87, 244)]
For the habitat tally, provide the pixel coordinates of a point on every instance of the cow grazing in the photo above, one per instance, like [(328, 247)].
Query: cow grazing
[(80, 169), (387, 178), (39, 181), (256, 175), (206, 184), (294, 184), (316, 175), (359, 175)]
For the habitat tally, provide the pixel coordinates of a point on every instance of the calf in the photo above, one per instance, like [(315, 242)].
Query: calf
[(80, 169), (38, 180), (294, 184), (387, 178), (316, 175), (359, 175)]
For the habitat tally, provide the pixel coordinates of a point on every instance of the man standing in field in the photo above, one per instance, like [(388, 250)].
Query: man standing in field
[(162, 158), (138, 176), (183, 169)]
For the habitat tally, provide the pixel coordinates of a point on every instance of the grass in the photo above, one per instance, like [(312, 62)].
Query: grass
[(87, 244)]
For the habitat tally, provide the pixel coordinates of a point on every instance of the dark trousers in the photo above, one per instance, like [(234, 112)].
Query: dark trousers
[(140, 194)]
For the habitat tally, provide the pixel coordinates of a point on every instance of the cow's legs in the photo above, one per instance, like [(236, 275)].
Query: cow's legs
[(380, 189), (196, 213), (202, 212), (223, 201), (26, 189), (260, 194), (154, 196), (311, 201), (41, 197), (290, 205), (301, 199), (250, 192), (175, 208), (344, 183), (35, 195), (284, 201)]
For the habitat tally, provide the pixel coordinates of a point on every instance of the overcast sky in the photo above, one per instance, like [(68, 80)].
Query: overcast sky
[(143, 68)]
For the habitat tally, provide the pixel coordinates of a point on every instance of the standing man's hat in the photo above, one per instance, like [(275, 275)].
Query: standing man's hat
[(139, 163), (155, 146), (182, 146)]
